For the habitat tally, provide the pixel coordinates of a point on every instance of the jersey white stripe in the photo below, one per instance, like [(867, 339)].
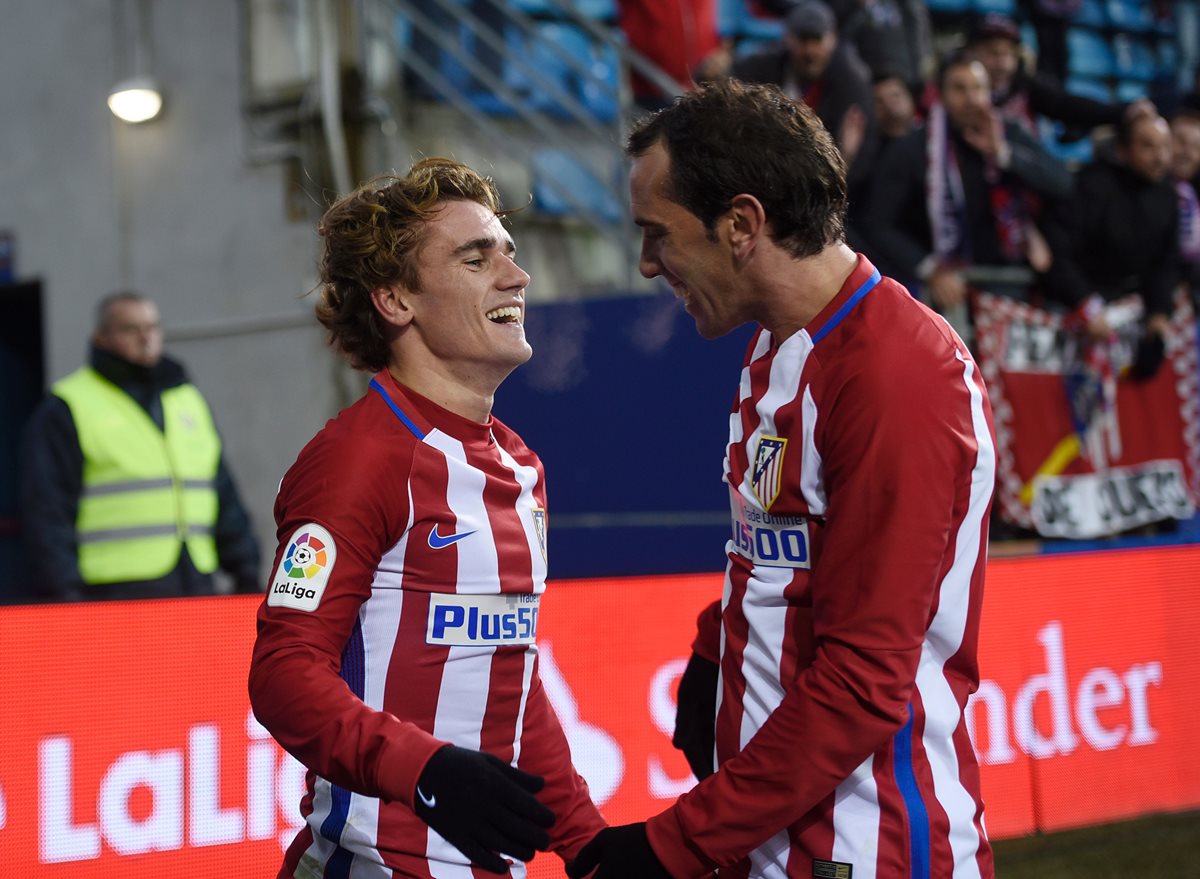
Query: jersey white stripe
[(942, 715), (763, 604), (769, 860), (744, 390), (812, 478), (466, 677), (527, 478), (765, 610), (856, 821)]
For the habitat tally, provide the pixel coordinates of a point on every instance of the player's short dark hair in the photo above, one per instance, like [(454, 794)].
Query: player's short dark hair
[(728, 138)]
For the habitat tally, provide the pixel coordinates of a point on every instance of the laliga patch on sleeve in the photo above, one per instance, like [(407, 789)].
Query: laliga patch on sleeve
[(307, 562)]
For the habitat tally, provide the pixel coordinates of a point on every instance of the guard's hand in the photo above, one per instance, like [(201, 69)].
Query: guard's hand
[(618, 853), (483, 807), (695, 715)]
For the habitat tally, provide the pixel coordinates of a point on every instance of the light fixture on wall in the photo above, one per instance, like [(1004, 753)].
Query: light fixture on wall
[(136, 97)]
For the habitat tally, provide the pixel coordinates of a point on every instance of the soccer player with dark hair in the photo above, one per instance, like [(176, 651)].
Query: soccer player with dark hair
[(396, 656), (860, 469)]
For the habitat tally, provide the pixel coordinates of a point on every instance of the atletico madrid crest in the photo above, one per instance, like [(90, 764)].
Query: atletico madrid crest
[(767, 474), (539, 525)]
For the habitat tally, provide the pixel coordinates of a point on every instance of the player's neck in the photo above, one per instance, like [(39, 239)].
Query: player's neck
[(795, 291), (470, 395)]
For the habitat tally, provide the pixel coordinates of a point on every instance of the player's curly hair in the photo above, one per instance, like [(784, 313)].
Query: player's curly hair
[(373, 237)]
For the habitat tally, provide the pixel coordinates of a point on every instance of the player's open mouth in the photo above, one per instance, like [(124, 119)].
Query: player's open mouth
[(509, 314)]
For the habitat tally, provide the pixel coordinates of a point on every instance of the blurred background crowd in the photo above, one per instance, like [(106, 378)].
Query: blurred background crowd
[(1038, 152)]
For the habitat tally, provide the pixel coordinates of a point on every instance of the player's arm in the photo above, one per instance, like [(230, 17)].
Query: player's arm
[(295, 685), (897, 450)]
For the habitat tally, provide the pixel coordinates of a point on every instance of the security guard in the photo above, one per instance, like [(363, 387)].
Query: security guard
[(125, 492)]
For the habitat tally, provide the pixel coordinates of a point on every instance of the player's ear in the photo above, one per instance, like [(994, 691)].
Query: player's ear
[(394, 304), (745, 223)]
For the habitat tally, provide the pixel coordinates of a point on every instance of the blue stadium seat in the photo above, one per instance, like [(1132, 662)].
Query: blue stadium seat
[(1091, 14), (749, 46), (598, 93), (735, 20), (598, 10), (1131, 15), (1131, 90), (561, 167), (1089, 88), (1168, 59), (1133, 58), (1079, 152), (1090, 54), (535, 7), (1029, 37), (950, 6), (1004, 7)]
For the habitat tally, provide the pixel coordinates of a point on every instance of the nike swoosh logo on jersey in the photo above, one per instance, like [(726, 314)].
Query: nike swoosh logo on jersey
[(430, 802), (437, 541)]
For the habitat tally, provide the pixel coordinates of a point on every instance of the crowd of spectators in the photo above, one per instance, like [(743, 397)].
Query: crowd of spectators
[(952, 186)]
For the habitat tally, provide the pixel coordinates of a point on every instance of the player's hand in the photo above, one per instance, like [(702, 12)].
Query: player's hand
[(695, 715), (618, 853), (483, 807)]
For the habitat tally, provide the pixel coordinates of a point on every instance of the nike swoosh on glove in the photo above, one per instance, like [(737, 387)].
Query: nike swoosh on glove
[(483, 807), (618, 853), (695, 715)]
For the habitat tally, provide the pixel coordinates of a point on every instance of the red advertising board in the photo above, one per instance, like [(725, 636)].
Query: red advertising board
[(127, 747)]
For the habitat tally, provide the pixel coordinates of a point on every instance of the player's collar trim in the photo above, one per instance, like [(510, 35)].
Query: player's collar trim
[(841, 313), (404, 419)]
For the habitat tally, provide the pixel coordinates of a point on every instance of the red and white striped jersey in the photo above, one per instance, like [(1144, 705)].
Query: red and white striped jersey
[(401, 616), (860, 466)]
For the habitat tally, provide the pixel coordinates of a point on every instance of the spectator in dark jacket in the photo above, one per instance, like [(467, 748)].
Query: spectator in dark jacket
[(995, 40), (1121, 232), (963, 191), (813, 66), (875, 28), (124, 488)]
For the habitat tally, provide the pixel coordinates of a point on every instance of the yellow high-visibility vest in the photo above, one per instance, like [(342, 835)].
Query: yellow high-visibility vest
[(146, 492)]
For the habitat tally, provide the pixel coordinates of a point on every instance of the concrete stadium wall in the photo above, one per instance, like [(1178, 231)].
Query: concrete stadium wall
[(170, 208)]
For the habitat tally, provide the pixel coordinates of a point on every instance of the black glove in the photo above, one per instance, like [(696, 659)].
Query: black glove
[(695, 715), (619, 853), (1151, 351), (483, 807)]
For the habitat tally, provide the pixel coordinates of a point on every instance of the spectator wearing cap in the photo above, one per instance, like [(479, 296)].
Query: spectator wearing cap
[(812, 65), (964, 191), (995, 41), (1120, 234)]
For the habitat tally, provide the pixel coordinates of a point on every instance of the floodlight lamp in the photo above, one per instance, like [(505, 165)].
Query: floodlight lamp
[(135, 100)]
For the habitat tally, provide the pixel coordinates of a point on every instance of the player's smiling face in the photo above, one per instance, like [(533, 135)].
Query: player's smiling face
[(677, 247), (470, 310)]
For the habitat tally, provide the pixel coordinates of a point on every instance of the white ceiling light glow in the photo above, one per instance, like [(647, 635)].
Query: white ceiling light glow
[(135, 100)]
